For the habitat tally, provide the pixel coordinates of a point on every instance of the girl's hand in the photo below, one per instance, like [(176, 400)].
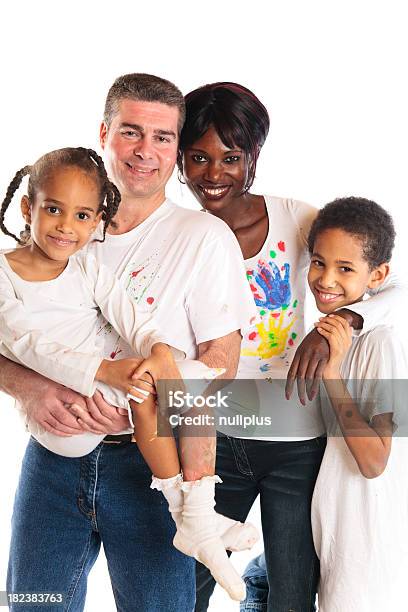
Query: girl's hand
[(120, 374), (338, 333), (160, 365)]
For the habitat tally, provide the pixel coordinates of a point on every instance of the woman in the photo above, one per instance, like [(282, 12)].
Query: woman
[(226, 126)]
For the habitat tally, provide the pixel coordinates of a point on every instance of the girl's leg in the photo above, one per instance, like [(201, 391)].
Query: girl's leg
[(198, 532), (234, 499), (159, 452)]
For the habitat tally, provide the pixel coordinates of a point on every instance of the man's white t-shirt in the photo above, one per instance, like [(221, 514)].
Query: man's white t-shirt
[(187, 268)]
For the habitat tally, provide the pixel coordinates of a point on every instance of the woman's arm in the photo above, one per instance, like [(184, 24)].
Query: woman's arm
[(380, 306)]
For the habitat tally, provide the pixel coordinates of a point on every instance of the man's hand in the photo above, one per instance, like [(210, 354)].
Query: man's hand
[(307, 366), (48, 404), (99, 417)]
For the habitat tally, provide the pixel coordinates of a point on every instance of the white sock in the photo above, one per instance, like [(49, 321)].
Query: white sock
[(171, 489), (197, 535), (236, 536)]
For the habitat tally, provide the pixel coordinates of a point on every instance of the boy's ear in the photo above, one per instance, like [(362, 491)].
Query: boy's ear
[(378, 276), (26, 209)]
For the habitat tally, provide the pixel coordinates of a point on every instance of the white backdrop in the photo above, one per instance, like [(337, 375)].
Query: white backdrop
[(332, 75)]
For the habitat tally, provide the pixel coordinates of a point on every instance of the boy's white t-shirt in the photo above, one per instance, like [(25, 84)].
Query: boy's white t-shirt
[(360, 525)]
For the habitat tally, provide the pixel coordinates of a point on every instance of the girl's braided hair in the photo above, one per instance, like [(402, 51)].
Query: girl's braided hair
[(85, 159)]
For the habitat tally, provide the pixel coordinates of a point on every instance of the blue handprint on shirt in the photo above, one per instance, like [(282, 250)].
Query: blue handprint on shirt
[(276, 289)]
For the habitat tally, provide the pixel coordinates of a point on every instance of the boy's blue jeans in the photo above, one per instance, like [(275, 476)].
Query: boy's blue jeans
[(257, 587), (283, 474), (65, 508)]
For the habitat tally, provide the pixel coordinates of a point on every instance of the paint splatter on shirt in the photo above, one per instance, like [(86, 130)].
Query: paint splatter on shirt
[(277, 279)]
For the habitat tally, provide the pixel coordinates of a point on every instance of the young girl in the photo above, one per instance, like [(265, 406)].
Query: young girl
[(360, 502), (49, 299)]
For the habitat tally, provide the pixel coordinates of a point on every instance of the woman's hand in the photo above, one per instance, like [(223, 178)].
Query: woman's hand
[(338, 334)]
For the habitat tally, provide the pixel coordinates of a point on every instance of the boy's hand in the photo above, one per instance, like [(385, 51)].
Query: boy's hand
[(338, 334)]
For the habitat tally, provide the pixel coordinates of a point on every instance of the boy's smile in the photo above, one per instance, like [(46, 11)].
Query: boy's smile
[(338, 273)]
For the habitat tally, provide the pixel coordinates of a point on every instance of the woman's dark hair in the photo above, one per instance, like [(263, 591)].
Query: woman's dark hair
[(85, 159), (361, 218), (237, 116)]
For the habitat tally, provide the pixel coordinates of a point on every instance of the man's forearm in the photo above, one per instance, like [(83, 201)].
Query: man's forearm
[(13, 377), (222, 353), (198, 452)]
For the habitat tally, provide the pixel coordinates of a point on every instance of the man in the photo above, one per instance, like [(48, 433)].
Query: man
[(169, 260)]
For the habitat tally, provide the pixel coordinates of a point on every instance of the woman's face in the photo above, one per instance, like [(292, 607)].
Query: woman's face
[(214, 173)]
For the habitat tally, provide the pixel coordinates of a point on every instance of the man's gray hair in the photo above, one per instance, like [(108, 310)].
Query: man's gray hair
[(144, 88)]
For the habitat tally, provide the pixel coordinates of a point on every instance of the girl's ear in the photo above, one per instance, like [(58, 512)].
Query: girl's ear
[(378, 276), (26, 209), (96, 222)]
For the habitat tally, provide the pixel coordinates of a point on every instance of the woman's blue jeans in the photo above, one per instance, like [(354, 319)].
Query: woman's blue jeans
[(65, 508), (283, 474)]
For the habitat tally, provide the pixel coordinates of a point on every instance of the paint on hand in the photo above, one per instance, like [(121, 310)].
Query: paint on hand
[(272, 290), (273, 338)]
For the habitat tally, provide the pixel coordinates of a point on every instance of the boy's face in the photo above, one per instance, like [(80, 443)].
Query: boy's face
[(338, 273)]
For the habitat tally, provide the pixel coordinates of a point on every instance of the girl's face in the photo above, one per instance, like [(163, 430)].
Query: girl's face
[(214, 173), (338, 273), (64, 214)]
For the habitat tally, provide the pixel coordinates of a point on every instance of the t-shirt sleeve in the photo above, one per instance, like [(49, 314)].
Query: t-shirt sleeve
[(389, 302), (33, 349), (218, 297), (385, 376), (304, 215), (137, 326)]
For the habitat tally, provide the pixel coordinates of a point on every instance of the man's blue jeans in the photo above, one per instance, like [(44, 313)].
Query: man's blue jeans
[(65, 508), (283, 474)]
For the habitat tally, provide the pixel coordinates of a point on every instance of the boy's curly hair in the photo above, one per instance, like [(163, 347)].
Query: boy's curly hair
[(362, 218)]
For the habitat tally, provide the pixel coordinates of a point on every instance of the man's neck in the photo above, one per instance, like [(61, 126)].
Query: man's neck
[(133, 211)]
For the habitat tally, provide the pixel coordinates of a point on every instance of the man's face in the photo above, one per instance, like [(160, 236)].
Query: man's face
[(140, 148)]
